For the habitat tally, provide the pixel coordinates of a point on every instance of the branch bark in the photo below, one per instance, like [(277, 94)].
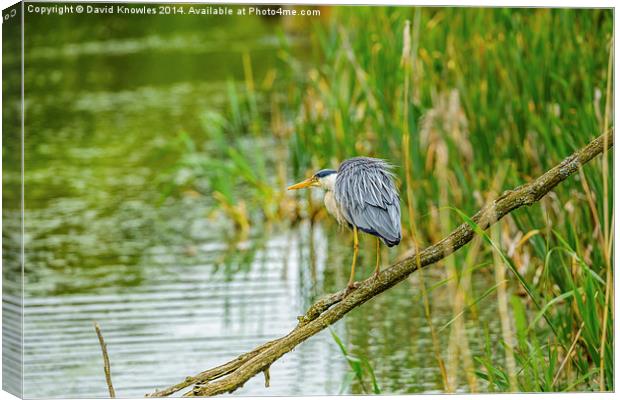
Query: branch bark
[(232, 375)]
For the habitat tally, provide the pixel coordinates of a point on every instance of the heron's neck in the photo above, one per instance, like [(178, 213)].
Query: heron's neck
[(329, 182)]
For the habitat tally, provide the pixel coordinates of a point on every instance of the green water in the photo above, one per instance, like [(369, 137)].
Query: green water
[(107, 98)]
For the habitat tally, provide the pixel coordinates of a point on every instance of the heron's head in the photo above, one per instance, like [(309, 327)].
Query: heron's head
[(325, 178)]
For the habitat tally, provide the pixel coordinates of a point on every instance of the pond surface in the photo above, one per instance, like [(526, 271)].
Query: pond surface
[(172, 292)]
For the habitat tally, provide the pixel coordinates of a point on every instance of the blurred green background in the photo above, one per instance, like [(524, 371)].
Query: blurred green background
[(158, 149)]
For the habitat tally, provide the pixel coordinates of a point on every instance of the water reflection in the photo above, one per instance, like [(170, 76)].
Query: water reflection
[(189, 312)]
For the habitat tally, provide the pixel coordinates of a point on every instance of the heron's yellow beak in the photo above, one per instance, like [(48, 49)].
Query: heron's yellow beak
[(312, 181)]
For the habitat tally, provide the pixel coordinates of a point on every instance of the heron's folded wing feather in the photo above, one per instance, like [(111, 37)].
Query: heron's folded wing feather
[(368, 198)]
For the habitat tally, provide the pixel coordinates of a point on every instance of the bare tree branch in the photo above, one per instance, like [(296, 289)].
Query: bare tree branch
[(106, 361), (232, 375)]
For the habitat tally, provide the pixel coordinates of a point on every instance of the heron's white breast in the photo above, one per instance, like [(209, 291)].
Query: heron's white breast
[(332, 207)]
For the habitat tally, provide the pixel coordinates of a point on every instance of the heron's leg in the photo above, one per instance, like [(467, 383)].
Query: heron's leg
[(356, 247), (378, 266)]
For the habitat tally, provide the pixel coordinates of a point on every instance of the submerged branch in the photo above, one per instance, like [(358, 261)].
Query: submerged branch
[(232, 375)]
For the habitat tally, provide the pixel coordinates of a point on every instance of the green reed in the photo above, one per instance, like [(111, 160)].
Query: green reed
[(360, 369)]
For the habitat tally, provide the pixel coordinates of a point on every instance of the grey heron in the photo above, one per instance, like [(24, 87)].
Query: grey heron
[(361, 195)]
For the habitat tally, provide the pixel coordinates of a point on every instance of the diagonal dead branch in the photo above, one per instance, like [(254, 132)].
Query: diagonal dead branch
[(213, 373), (232, 375)]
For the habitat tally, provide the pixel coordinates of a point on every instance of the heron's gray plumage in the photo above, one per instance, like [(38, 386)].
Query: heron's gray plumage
[(365, 193)]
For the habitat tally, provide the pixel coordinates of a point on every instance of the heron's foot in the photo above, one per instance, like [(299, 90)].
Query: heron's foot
[(351, 287), (376, 274)]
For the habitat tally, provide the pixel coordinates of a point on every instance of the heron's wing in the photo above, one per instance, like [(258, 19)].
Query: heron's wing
[(368, 199)]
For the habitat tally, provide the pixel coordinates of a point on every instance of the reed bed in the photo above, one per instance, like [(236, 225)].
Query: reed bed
[(466, 103)]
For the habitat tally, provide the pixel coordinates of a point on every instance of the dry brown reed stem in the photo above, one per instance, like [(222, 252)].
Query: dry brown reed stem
[(569, 354), (408, 62), (504, 315), (106, 361), (607, 230), (232, 375)]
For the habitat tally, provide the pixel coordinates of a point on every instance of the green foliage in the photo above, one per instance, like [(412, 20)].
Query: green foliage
[(578, 313), (360, 369)]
